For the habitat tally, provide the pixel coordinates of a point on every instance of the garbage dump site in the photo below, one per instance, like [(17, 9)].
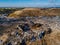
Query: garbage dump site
[(42, 30)]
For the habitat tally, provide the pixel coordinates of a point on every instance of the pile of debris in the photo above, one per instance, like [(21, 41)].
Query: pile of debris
[(25, 33)]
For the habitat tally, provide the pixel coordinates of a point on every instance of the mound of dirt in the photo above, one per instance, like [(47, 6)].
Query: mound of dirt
[(53, 38), (35, 12)]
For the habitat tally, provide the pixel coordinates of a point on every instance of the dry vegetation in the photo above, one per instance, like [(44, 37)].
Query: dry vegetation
[(35, 12)]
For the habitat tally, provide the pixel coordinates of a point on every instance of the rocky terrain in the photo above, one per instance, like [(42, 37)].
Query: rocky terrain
[(31, 26)]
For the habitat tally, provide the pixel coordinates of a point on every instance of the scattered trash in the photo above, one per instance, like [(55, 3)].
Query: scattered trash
[(16, 33), (23, 42), (27, 32), (9, 43), (41, 35), (25, 27), (49, 30), (33, 38), (1, 42), (32, 23), (38, 24)]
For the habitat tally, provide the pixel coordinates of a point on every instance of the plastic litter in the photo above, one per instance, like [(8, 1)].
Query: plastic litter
[(23, 42), (41, 35), (25, 27), (33, 38), (9, 43)]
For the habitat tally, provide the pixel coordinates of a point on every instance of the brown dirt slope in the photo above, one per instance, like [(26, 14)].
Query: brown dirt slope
[(53, 38), (35, 12)]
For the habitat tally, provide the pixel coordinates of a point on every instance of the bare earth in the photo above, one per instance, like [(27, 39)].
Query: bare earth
[(52, 38)]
